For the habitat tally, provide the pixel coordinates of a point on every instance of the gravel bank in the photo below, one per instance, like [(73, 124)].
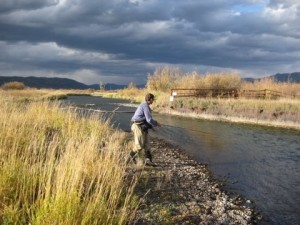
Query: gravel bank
[(182, 191)]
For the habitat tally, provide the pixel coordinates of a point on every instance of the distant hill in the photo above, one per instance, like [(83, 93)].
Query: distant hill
[(248, 79), (280, 77), (58, 83), (287, 77), (109, 86), (46, 82), (65, 83)]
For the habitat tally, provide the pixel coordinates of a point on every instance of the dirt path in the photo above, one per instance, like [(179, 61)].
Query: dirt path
[(182, 191)]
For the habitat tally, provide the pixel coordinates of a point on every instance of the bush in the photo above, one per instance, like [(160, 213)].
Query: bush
[(289, 90), (163, 79), (131, 85), (166, 78), (15, 85), (222, 81)]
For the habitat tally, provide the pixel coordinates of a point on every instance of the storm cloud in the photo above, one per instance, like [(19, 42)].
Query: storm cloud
[(121, 41)]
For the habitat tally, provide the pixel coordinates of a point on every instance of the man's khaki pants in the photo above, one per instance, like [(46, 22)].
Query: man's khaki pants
[(141, 139)]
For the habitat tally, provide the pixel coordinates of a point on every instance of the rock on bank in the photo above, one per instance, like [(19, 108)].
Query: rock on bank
[(182, 191)]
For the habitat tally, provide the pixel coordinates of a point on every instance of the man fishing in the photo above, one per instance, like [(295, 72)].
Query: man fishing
[(142, 121)]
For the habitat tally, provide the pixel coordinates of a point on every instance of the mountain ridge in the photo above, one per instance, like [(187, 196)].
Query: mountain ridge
[(57, 83), (279, 77), (66, 83)]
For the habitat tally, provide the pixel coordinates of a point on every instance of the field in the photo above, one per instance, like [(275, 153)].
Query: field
[(59, 168)]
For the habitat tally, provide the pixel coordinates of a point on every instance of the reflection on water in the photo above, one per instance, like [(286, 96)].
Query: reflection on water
[(260, 163)]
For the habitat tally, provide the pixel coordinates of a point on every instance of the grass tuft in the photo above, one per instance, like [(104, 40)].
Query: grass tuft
[(59, 168)]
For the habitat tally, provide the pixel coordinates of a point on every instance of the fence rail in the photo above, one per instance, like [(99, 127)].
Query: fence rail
[(229, 93), (185, 92)]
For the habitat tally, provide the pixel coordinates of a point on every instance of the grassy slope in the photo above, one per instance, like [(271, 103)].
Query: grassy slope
[(58, 168)]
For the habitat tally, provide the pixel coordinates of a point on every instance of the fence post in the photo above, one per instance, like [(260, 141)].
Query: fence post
[(265, 94)]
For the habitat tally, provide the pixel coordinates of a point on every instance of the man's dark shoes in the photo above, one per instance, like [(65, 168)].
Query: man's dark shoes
[(132, 157), (149, 162)]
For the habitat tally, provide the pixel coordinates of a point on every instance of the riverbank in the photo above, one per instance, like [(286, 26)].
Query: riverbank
[(283, 113), (182, 191), (255, 120)]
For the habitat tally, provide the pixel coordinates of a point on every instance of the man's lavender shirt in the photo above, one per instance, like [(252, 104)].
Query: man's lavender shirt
[(143, 113)]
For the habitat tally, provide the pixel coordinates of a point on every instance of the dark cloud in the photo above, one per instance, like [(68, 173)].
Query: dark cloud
[(127, 39), (14, 5)]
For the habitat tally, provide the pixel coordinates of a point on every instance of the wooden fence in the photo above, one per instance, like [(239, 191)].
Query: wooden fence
[(229, 93), (185, 92), (263, 94)]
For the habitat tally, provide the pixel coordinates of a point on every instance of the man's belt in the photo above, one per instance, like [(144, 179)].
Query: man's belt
[(138, 122)]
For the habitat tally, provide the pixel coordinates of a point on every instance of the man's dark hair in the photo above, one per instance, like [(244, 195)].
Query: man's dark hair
[(149, 96)]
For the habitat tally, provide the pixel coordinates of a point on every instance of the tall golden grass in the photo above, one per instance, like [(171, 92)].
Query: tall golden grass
[(15, 85), (163, 79), (132, 93), (59, 168), (33, 94), (288, 89), (209, 81)]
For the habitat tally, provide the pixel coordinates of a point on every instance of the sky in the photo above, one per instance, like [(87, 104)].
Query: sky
[(123, 41)]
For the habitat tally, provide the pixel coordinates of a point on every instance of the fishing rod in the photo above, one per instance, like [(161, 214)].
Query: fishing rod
[(115, 111), (102, 111)]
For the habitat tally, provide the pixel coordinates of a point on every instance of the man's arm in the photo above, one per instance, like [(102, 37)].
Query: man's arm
[(149, 118)]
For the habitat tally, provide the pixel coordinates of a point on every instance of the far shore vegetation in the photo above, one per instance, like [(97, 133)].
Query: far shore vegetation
[(57, 167), (281, 111)]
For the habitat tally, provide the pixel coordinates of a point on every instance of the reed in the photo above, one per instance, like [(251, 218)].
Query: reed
[(59, 168), (33, 94), (288, 89), (163, 79), (133, 94)]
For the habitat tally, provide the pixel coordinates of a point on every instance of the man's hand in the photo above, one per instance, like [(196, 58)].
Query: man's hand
[(158, 125)]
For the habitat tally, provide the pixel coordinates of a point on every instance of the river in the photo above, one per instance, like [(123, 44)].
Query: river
[(260, 163)]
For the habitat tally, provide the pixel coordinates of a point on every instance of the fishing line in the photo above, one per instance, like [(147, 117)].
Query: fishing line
[(199, 131), (101, 111)]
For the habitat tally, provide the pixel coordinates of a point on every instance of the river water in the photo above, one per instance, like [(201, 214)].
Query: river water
[(260, 163)]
